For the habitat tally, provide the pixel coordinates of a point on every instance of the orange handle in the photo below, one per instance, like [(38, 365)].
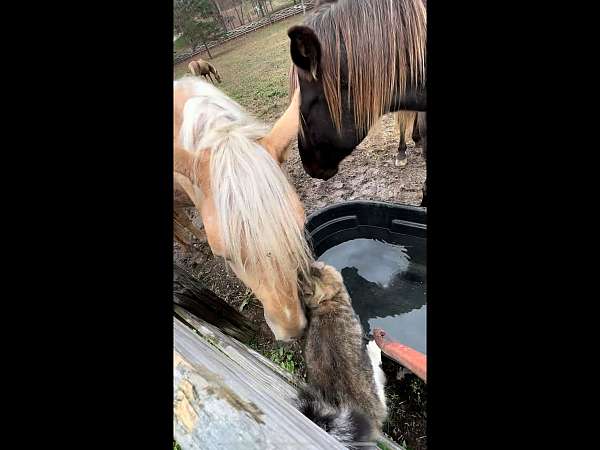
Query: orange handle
[(413, 360)]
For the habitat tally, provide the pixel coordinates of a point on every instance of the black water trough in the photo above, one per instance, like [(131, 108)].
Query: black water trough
[(380, 250)]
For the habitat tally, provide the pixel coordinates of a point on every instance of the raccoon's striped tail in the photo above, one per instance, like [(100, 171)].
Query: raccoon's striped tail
[(350, 427)]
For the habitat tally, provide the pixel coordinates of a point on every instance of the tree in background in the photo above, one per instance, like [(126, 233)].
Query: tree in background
[(225, 7), (197, 22), (217, 13)]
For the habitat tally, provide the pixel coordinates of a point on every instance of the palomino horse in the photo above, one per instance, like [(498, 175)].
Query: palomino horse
[(345, 84), (204, 68), (229, 165)]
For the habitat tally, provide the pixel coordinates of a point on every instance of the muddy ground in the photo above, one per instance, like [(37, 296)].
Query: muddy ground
[(368, 173)]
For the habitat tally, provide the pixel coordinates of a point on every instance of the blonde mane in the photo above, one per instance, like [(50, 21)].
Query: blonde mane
[(252, 197), (384, 45)]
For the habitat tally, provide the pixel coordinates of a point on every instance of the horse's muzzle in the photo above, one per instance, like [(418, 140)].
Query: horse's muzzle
[(318, 172)]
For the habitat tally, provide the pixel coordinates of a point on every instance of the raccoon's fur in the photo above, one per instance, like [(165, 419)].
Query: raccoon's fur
[(344, 395)]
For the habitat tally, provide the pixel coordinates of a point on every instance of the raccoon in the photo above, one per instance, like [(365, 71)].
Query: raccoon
[(344, 393)]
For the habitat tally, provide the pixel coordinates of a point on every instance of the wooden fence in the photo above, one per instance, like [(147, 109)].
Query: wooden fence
[(248, 28)]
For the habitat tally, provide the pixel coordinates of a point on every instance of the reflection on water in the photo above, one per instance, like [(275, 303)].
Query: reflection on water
[(388, 289)]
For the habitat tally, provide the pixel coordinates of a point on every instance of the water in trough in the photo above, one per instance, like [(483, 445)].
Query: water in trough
[(388, 287)]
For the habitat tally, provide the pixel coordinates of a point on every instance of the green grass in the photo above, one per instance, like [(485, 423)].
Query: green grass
[(418, 393), (284, 358), (176, 445), (180, 44), (248, 298), (288, 358), (254, 69)]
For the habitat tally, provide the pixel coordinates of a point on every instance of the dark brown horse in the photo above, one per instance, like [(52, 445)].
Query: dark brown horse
[(355, 60)]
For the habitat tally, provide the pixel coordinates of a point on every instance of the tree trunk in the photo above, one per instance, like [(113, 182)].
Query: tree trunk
[(218, 15), (191, 295), (265, 9), (207, 50), (237, 13), (268, 13), (192, 45)]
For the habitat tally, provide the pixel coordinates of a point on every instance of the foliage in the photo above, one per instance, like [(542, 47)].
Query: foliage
[(197, 21), (283, 358)]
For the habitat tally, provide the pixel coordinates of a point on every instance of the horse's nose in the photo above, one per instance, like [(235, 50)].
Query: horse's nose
[(327, 174), (287, 337), (320, 173)]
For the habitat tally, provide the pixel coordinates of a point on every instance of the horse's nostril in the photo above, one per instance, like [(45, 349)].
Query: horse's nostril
[(329, 173), (317, 172), (326, 174)]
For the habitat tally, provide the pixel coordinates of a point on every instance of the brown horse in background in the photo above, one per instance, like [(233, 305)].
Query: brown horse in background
[(204, 68)]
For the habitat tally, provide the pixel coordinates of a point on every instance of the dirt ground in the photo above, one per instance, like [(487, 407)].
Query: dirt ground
[(368, 173)]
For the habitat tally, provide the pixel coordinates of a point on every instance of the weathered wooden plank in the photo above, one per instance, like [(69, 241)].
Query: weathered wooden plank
[(222, 402), (391, 445), (189, 294), (257, 366), (182, 235), (181, 218)]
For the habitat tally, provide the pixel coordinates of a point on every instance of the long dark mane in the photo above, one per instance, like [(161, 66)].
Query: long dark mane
[(383, 45)]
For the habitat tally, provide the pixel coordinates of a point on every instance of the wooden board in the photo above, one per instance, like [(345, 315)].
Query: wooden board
[(226, 396), (255, 369), (189, 293)]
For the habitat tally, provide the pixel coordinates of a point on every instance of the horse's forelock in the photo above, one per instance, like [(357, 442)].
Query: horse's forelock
[(255, 206), (382, 44)]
